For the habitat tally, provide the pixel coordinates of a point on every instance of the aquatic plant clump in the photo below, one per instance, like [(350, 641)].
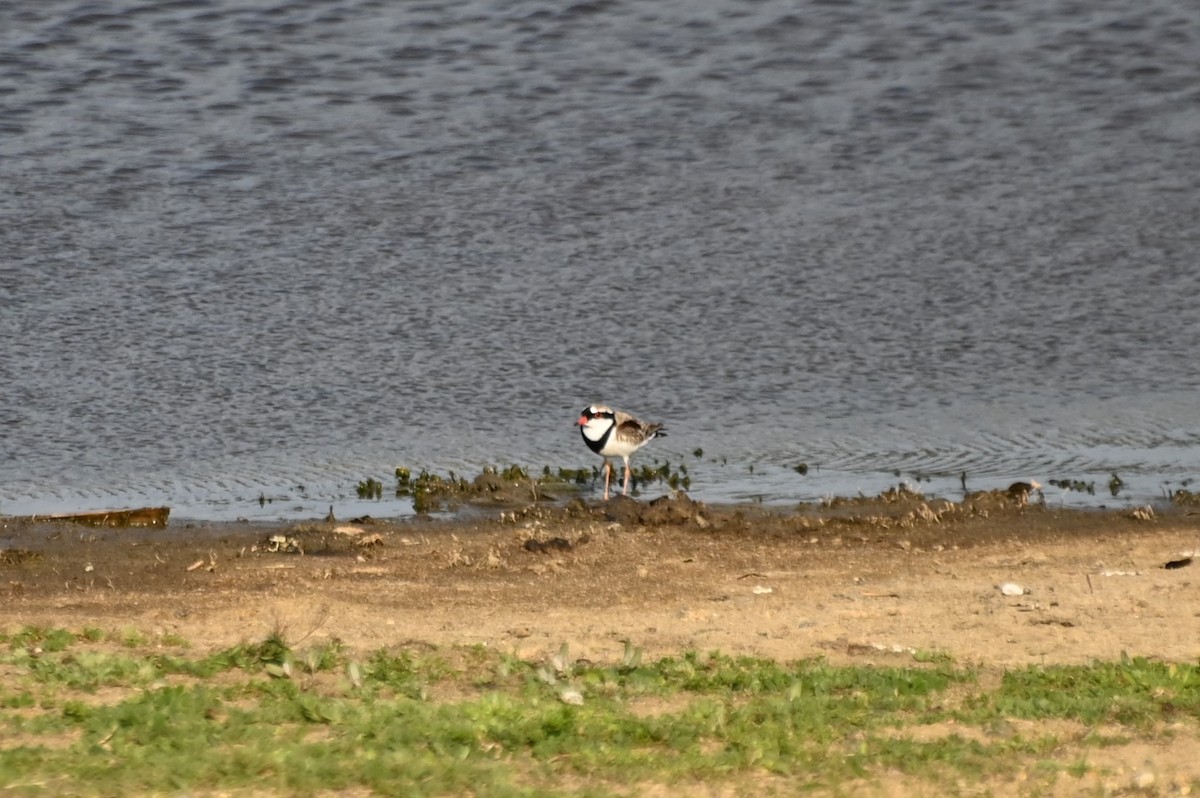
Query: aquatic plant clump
[(432, 492), (370, 488), (674, 478), (1185, 498), (1076, 485)]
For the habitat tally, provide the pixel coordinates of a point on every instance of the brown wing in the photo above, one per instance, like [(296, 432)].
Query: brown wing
[(632, 429)]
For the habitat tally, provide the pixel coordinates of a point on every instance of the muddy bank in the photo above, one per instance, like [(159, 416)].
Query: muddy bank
[(875, 579)]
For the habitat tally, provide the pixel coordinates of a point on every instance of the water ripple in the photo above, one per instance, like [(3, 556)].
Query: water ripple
[(249, 248)]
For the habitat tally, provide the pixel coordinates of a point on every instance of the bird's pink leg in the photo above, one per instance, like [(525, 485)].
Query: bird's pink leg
[(607, 474), (625, 490)]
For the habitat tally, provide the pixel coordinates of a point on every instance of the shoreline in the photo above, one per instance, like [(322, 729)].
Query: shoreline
[(773, 484), (878, 578)]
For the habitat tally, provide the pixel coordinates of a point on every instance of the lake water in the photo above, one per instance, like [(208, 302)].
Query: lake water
[(270, 249)]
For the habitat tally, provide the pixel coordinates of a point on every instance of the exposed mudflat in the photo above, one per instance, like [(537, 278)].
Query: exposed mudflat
[(861, 580)]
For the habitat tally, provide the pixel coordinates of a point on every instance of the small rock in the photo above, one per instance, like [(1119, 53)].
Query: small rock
[(1013, 589), (569, 695), (1144, 779), (284, 543)]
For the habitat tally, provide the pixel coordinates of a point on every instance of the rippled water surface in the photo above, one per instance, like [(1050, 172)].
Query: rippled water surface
[(271, 249)]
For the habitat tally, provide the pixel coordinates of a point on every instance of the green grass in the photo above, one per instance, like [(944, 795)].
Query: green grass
[(1134, 692), (97, 714)]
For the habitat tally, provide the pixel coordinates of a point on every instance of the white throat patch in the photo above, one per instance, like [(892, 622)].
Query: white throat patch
[(596, 428)]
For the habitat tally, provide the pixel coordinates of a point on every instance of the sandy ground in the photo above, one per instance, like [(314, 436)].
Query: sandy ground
[(863, 581)]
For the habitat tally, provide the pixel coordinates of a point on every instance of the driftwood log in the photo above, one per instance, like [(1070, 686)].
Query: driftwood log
[(137, 516)]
